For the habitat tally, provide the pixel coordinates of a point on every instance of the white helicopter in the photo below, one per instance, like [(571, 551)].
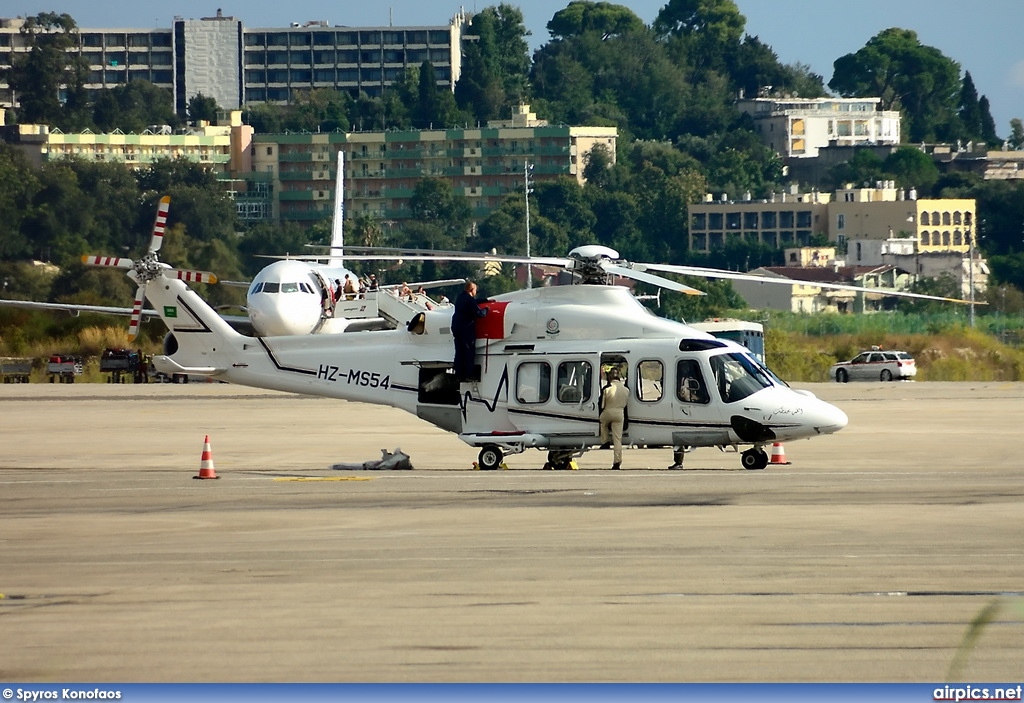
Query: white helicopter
[(541, 354)]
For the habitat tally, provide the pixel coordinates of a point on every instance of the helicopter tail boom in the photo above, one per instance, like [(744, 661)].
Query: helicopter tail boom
[(199, 340)]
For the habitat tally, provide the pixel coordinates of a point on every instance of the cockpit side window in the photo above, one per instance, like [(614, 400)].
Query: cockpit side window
[(690, 386), (737, 376), (256, 288)]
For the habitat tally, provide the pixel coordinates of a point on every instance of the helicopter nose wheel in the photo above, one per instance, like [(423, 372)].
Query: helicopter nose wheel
[(754, 459), (490, 457), (559, 461)]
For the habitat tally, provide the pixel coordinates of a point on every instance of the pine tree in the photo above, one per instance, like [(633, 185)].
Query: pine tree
[(969, 110)]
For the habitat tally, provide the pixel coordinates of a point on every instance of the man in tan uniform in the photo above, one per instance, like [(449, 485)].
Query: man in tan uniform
[(613, 410)]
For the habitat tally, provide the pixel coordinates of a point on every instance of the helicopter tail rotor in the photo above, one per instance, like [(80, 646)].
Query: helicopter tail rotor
[(149, 267)]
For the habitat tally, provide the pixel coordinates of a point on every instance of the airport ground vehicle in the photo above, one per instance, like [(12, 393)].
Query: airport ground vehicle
[(875, 365), (123, 364), (64, 367), (15, 370)]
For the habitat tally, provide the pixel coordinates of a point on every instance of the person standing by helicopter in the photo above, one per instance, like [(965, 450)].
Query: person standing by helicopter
[(467, 310), (614, 397)]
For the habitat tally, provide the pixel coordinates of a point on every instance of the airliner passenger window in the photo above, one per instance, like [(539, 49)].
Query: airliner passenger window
[(533, 382)]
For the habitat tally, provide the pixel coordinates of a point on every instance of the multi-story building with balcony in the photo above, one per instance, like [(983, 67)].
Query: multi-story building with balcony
[(783, 219), (798, 127), (221, 58), (383, 168), (224, 148)]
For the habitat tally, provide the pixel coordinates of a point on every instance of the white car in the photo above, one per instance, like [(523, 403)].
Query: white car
[(875, 365)]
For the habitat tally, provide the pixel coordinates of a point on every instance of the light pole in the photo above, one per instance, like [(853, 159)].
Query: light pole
[(970, 274), (527, 168)]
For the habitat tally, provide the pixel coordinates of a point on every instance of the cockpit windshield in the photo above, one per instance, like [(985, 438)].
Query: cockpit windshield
[(737, 376)]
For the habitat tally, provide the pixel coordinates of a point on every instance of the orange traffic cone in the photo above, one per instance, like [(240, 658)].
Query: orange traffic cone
[(778, 454), (206, 469)]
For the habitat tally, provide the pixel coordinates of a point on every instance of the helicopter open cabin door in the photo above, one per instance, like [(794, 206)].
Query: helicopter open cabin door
[(556, 396)]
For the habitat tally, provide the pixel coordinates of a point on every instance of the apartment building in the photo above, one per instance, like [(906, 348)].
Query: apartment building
[(797, 128), (782, 219), (221, 58), (383, 168), (846, 216)]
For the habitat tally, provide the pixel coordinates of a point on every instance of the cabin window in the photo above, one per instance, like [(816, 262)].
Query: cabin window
[(690, 385), (574, 381), (533, 382), (650, 381)]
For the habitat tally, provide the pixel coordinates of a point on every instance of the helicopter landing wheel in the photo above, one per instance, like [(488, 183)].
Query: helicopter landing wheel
[(490, 457), (754, 459)]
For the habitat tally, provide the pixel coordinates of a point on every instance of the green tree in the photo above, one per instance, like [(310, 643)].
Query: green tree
[(988, 124), (18, 184), (49, 79), (863, 167), (707, 32), (755, 65), (969, 111), (319, 110), (133, 107), (918, 80), (912, 168), (265, 118), (441, 215), (435, 107), (495, 67), (202, 107), (597, 164), (479, 90), (1016, 140), (605, 18)]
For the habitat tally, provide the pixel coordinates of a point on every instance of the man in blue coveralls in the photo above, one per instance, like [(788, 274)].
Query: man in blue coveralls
[(467, 310)]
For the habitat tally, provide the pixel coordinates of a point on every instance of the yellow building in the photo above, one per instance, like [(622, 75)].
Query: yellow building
[(225, 149)]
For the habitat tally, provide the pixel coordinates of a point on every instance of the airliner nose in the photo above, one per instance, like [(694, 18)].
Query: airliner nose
[(830, 419)]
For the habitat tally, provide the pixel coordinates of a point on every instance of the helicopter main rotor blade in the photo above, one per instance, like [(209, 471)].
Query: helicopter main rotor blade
[(114, 261), (160, 224), (650, 278), (190, 276), (136, 319), (734, 276)]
